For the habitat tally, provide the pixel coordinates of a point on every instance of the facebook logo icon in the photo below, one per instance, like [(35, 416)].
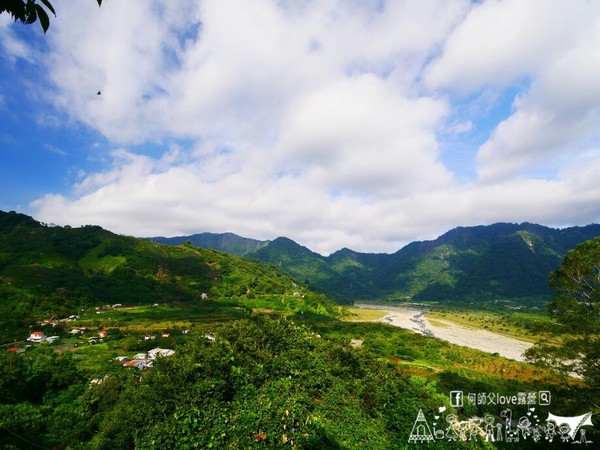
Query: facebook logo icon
[(456, 399)]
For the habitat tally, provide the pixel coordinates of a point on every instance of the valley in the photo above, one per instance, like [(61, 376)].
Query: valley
[(127, 343)]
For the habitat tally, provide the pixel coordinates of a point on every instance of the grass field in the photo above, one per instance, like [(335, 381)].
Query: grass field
[(438, 323), (352, 314)]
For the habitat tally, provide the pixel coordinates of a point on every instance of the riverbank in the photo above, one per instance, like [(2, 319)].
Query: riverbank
[(416, 320)]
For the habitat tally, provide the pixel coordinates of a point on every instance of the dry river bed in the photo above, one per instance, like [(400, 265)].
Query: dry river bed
[(416, 320)]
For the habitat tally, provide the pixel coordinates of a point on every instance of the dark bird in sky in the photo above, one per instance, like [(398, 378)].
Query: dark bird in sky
[(99, 93)]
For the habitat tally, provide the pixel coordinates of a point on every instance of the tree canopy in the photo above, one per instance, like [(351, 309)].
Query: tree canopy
[(576, 286), (261, 382), (576, 308), (30, 11)]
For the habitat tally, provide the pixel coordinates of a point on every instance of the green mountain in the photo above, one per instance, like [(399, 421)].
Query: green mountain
[(500, 261), (60, 269), (222, 242), (494, 262)]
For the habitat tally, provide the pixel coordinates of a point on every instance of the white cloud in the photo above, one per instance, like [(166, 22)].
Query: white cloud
[(122, 50), (323, 120), (501, 41), (12, 46), (361, 135), (145, 197), (548, 47), (558, 116)]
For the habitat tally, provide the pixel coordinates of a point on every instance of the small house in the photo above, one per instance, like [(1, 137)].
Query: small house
[(17, 350), (160, 352), (136, 363), (37, 336), (99, 380), (209, 336), (102, 333)]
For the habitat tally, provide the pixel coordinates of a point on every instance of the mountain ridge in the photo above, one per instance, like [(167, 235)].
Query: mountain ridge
[(502, 261), (227, 242), (483, 262)]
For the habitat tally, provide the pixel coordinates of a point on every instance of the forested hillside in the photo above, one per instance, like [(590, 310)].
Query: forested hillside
[(44, 268), (495, 262), (223, 242)]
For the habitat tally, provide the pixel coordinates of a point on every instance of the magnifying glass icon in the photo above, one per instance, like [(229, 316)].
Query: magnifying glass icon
[(544, 398)]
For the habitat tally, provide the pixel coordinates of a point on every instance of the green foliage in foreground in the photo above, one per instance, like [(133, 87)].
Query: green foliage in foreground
[(29, 11), (576, 308), (263, 382)]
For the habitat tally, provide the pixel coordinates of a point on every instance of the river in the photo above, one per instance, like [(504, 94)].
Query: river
[(412, 318)]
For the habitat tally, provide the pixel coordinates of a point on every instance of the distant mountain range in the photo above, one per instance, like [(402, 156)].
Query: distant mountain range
[(493, 262), (223, 242)]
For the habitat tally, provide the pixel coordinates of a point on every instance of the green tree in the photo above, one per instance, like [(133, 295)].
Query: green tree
[(12, 383), (576, 309), (576, 286), (30, 11), (263, 382)]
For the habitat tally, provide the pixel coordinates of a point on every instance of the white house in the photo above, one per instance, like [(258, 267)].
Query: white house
[(37, 336), (160, 352), (209, 336), (136, 363)]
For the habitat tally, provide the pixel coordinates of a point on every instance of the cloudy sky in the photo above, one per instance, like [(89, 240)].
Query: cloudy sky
[(360, 123)]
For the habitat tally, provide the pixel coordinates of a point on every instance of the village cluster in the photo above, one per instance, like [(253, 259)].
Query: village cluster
[(140, 360), (145, 360)]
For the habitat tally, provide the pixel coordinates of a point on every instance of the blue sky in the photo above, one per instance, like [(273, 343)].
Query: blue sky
[(360, 124)]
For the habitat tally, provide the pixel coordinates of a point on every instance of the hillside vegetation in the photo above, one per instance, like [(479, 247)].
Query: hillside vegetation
[(223, 242), (503, 261), (470, 264), (58, 270)]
